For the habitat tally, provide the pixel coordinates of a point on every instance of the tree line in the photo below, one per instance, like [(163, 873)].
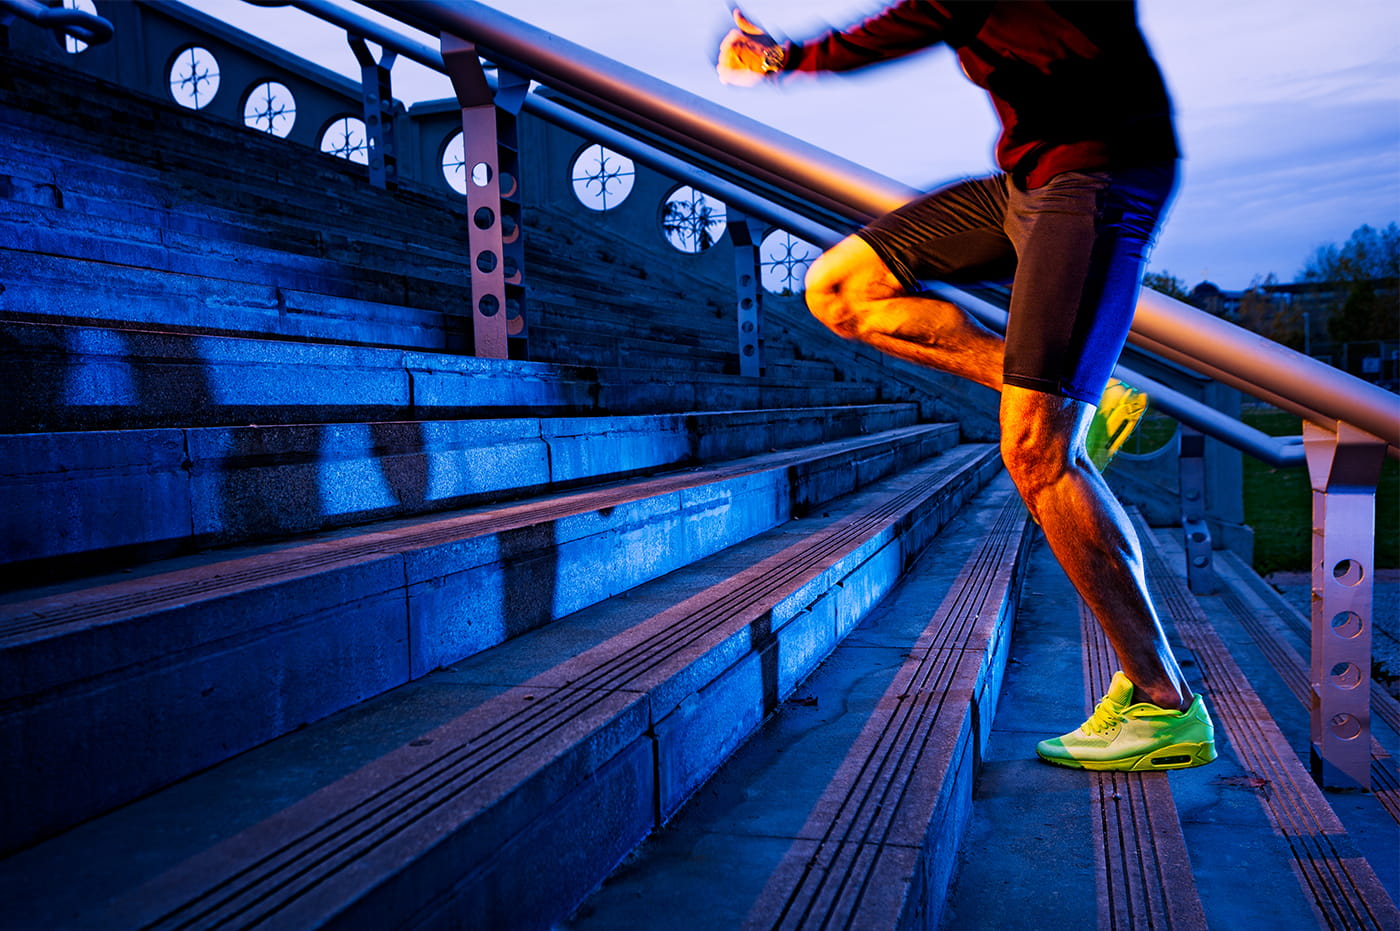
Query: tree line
[(1354, 287)]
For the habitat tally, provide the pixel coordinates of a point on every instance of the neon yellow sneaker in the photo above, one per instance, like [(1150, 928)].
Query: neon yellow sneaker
[(1126, 737), (1117, 416)]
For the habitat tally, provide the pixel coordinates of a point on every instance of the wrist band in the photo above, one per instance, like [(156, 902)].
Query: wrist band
[(774, 57)]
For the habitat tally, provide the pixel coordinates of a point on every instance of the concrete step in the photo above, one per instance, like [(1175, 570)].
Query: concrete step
[(158, 238), (1099, 849), (61, 377), (848, 807), (496, 791), (82, 290), (204, 657), (790, 331), (553, 338), (64, 263), (71, 196), (97, 498), (1248, 841), (229, 193), (245, 191), (156, 154), (382, 243)]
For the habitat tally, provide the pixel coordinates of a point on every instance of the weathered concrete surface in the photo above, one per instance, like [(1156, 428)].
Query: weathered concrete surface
[(114, 495), (559, 768), (196, 665), (773, 814)]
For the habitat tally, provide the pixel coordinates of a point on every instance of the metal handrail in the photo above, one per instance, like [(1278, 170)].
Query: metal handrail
[(742, 150), (559, 114), (1277, 451), (79, 24), (734, 146), (677, 125)]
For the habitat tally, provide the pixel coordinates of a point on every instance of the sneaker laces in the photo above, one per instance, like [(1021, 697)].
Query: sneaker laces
[(1105, 716)]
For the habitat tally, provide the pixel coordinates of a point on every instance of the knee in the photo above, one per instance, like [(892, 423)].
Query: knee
[(828, 290), (1025, 464), (1034, 461), (844, 281)]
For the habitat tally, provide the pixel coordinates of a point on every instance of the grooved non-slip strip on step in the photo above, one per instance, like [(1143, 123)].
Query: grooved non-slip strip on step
[(1144, 870), (1383, 704), (262, 873), (587, 680), (870, 824), (1341, 884), (571, 704), (123, 599), (1293, 671)]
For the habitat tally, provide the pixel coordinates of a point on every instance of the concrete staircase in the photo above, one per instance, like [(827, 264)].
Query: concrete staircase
[(312, 620), (885, 794)]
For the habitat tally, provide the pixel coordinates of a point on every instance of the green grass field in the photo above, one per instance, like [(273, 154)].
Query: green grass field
[(1278, 505), (1278, 502)]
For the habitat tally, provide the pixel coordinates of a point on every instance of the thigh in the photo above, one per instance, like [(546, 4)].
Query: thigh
[(1082, 242), (953, 234)]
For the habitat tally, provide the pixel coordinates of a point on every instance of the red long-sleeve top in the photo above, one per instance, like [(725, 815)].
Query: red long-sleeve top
[(1073, 83)]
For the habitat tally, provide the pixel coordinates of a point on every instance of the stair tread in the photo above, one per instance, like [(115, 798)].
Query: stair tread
[(186, 488), (76, 376), (822, 816), (586, 657), (1091, 826), (268, 637), (221, 572)]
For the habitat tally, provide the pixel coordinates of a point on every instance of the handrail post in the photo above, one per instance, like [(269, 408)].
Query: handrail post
[(1200, 573), (481, 157), (748, 294), (377, 91), (511, 91), (1344, 467)]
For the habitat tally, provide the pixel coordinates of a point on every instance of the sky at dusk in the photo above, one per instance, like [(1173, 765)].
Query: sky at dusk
[(1289, 112)]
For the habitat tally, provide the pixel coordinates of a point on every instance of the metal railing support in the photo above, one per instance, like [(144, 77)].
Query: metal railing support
[(748, 293), (482, 165), (1200, 572), (377, 90), (511, 92), (831, 193), (1344, 467)]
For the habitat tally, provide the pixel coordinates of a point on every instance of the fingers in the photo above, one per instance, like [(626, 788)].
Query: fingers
[(746, 25), (741, 52), (735, 67)]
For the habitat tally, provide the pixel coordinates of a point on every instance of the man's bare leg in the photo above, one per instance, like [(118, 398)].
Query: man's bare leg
[(1042, 444), (852, 291)]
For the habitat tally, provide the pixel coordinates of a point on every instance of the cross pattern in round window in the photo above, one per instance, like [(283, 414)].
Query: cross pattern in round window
[(270, 108), (346, 138), (71, 45), (783, 261), (692, 221), (602, 178), (194, 77), (454, 163)]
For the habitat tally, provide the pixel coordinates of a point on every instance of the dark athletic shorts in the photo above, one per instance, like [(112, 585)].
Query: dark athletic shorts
[(1075, 250)]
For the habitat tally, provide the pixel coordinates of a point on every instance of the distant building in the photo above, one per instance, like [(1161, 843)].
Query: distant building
[(1299, 314)]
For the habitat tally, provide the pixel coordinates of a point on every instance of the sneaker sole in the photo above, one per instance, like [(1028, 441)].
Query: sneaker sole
[(1175, 756)]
